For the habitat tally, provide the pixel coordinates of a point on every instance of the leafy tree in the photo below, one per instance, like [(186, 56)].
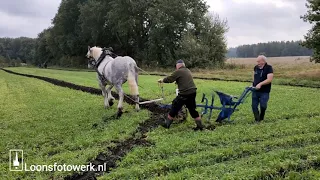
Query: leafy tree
[(42, 49), (312, 39), (93, 22), (207, 48), (66, 27), (131, 28)]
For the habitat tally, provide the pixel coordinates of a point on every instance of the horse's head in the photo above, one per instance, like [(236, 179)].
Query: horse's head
[(93, 55), (89, 53)]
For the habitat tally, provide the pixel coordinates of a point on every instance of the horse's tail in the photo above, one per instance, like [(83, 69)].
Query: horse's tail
[(133, 79)]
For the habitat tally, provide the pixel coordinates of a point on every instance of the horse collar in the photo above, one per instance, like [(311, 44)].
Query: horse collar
[(101, 58)]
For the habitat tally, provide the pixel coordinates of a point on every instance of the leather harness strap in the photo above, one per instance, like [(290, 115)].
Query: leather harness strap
[(97, 64)]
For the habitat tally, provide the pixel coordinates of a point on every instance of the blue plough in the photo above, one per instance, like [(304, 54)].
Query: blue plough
[(228, 106)]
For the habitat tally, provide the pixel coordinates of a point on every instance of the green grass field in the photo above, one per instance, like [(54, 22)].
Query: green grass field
[(53, 124), (59, 120)]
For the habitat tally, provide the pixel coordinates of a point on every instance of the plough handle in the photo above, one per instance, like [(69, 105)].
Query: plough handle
[(160, 84), (203, 97), (212, 100)]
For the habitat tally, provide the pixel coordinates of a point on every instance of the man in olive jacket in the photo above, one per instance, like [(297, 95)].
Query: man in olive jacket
[(187, 94)]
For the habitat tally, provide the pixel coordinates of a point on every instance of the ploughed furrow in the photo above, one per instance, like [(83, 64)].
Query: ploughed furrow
[(114, 154)]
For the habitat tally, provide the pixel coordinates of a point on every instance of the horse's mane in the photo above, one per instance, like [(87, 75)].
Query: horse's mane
[(96, 50)]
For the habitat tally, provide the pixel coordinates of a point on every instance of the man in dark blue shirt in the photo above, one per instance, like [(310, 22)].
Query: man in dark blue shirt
[(262, 78)]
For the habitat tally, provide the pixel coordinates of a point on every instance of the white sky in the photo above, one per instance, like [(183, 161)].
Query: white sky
[(253, 21)]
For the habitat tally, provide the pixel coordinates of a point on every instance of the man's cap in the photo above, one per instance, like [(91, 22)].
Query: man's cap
[(180, 61)]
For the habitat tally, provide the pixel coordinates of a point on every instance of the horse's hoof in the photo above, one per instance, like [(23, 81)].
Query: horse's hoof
[(119, 114), (111, 102)]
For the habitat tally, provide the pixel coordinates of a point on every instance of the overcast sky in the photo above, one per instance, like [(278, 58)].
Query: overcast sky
[(249, 21)]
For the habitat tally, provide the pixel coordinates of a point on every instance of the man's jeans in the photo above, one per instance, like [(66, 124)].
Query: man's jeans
[(261, 98)]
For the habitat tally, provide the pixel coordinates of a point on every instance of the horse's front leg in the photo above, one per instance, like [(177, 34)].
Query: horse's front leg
[(103, 89), (105, 95), (120, 103), (110, 97)]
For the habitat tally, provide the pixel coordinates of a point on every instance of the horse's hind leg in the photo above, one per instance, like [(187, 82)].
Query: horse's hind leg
[(120, 104), (137, 97), (137, 103)]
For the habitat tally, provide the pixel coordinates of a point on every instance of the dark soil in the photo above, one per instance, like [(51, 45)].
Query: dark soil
[(113, 155), (116, 153)]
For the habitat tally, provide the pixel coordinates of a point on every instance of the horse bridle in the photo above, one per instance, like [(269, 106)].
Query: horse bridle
[(92, 62), (96, 64), (105, 52)]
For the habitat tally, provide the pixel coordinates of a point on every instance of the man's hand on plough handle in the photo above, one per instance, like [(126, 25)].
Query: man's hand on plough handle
[(160, 84), (254, 88)]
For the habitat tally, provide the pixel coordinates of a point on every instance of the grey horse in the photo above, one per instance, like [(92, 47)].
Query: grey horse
[(115, 72)]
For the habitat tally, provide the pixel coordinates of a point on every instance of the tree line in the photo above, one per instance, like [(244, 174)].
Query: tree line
[(156, 32), (271, 49), (14, 51)]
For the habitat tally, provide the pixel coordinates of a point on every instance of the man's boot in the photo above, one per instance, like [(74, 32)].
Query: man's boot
[(167, 123), (199, 125), (263, 112), (256, 116)]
